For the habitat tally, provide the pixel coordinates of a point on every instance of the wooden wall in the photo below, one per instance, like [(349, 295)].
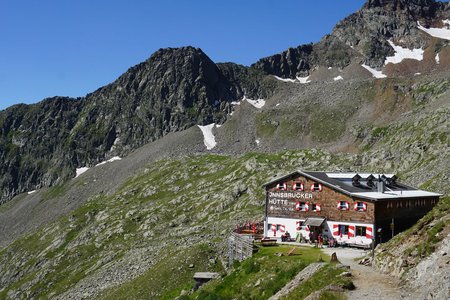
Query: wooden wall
[(327, 198)]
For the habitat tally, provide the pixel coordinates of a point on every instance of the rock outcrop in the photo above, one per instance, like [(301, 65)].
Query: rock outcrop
[(43, 144), (362, 36)]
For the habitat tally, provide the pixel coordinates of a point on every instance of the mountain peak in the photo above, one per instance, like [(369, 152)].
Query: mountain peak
[(399, 4), (184, 51)]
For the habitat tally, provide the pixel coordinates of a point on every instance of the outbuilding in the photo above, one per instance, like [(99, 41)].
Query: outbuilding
[(353, 208)]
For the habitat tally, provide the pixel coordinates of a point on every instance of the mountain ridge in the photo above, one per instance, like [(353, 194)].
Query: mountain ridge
[(177, 88), (173, 90)]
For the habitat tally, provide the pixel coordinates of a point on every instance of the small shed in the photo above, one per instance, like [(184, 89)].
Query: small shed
[(203, 277)]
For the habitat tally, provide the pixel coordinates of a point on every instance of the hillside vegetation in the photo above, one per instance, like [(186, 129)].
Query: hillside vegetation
[(176, 213)]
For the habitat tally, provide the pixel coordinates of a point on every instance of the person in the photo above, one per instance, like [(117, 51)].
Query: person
[(319, 239), (332, 242), (287, 236), (310, 237)]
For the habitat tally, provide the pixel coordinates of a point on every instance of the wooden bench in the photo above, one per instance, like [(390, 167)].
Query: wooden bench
[(268, 242)]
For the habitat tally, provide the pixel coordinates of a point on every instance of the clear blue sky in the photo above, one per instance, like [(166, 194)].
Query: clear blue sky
[(70, 48)]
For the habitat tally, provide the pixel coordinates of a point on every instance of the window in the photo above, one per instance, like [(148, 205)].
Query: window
[(316, 207), (343, 229), (360, 206), (298, 186), (282, 186), (360, 231), (302, 206), (316, 187), (342, 205)]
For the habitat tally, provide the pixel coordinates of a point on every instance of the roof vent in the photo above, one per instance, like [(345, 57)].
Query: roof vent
[(355, 180), (391, 180), (370, 180)]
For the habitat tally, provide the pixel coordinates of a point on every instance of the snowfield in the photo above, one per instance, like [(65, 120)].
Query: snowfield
[(115, 158), (375, 73), (302, 80), (285, 79), (403, 53), (258, 103), (208, 137), (81, 171), (441, 33)]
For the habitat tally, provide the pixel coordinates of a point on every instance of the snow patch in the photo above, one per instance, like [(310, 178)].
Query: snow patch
[(278, 104), (338, 78), (208, 137), (284, 79), (375, 73), (257, 142), (31, 192), (235, 103), (115, 158), (437, 59), (416, 74), (403, 53), (441, 33), (329, 68), (303, 80), (81, 171), (258, 103), (219, 125)]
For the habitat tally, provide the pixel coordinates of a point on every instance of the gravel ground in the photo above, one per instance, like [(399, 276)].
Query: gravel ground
[(370, 284)]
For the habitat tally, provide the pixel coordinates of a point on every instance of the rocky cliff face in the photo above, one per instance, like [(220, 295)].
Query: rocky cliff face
[(34, 151), (174, 89), (363, 37)]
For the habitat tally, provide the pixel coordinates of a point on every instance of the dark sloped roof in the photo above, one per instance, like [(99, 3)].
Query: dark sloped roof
[(343, 182)]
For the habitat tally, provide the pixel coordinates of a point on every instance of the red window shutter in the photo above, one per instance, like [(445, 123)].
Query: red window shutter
[(369, 234), (335, 229), (351, 231)]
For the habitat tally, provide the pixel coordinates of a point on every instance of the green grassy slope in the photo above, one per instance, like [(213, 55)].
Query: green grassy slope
[(172, 207)]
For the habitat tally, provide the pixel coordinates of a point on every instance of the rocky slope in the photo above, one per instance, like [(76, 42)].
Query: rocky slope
[(420, 256), (174, 89), (361, 38)]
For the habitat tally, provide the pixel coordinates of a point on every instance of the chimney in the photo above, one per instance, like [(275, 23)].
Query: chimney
[(380, 185)]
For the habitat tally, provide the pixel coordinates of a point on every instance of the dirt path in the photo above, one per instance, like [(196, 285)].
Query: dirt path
[(370, 284)]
